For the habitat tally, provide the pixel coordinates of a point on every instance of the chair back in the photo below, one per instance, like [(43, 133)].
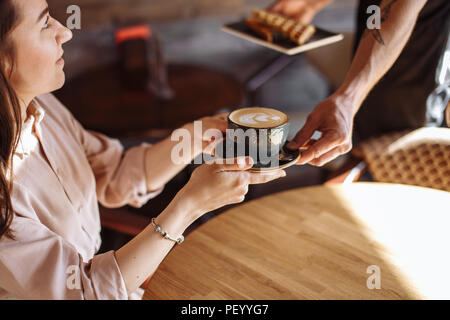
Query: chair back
[(420, 157)]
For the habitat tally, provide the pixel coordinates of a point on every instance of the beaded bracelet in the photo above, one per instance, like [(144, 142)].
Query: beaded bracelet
[(165, 234)]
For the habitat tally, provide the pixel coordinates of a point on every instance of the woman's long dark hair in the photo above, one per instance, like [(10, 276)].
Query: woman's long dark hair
[(10, 116)]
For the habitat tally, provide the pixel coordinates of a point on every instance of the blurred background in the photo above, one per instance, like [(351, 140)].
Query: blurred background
[(209, 70)]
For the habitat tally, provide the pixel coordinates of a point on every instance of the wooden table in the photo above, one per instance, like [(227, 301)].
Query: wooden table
[(317, 243)]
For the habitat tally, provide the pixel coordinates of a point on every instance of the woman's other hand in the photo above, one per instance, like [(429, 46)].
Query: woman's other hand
[(209, 134), (216, 184)]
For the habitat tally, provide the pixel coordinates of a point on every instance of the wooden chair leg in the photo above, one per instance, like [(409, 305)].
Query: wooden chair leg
[(349, 176), (351, 171), (123, 221)]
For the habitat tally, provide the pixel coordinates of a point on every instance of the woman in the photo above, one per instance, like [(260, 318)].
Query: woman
[(53, 173)]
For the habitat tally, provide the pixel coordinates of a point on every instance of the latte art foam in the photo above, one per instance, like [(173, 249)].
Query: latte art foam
[(258, 117), (255, 118)]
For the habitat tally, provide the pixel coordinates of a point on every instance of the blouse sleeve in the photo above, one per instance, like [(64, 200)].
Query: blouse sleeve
[(120, 175), (39, 264)]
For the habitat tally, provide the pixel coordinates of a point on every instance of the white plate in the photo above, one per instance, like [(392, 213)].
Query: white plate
[(320, 38)]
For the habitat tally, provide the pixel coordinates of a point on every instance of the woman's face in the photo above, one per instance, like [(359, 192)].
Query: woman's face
[(37, 40)]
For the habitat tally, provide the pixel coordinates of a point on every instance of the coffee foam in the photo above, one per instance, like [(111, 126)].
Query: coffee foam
[(258, 117)]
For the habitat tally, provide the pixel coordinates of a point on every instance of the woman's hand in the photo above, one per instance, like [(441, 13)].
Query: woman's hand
[(208, 142), (163, 163), (214, 184), (218, 121), (301, 10), (211, 186)]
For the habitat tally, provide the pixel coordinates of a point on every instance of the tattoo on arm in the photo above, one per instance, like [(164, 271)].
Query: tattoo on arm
[(376, 34), (386, 11)]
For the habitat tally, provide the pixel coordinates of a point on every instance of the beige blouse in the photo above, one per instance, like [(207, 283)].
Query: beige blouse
[(61, 172)]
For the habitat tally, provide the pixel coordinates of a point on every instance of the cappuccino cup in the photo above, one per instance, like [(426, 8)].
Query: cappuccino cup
[(257, 132)]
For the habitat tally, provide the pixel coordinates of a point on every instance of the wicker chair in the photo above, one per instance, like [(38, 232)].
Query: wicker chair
[(419, 157)]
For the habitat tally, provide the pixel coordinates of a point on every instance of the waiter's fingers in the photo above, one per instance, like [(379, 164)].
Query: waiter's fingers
[(330, 155), (304, 135), (319, 148)]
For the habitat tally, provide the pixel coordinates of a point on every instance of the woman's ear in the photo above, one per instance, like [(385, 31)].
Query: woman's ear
[(6, 66)]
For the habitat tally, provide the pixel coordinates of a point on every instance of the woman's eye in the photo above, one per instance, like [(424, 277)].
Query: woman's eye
[(46, 24)]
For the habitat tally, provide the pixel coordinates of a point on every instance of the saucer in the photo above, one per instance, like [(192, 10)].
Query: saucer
[(286, 158)]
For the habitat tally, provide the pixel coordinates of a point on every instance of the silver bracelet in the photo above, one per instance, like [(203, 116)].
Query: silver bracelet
[(165, 234)]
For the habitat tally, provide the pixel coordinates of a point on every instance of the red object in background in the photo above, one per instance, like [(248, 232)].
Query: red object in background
[(134, 55), (141, 61), (134, 32)]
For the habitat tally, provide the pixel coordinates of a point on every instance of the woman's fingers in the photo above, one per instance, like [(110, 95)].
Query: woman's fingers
[(215, 123), (223, 115), (240, 165), (231, 164), (264, 177), (209, 147)]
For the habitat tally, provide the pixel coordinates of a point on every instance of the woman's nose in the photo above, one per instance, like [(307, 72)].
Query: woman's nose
[(64, 35)]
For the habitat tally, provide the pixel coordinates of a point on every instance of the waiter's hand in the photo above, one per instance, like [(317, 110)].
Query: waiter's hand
[(301, 10), (333, 118)]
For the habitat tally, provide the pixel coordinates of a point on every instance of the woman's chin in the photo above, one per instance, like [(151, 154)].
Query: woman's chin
[(60, 81), (53, 87)]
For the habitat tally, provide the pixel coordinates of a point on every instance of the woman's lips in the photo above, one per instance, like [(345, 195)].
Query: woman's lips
[(60, 61)]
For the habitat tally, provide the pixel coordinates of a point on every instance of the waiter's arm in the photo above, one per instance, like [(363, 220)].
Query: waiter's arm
[(379, 49), (377, 52)]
